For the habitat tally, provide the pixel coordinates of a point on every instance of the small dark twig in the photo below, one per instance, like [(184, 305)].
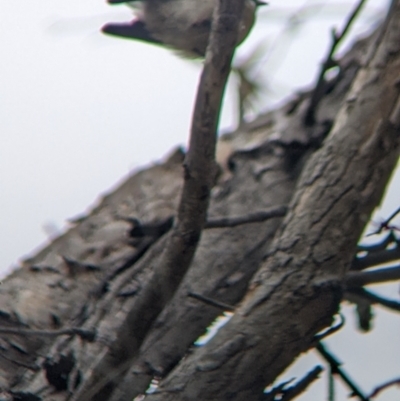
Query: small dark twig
[(380, 246), (381, 252), (88, 335), (220, 222), (336, 369), (384, 386), (159, 228), (375, 299), (329, 62), (385, 225), (302, 384), (331, 330), (212, 302), (275, 391), (359, 279)]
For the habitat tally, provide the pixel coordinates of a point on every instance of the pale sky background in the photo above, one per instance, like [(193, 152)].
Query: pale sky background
[(79, 111)]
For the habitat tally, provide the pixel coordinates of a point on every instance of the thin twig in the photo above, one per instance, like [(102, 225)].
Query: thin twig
[(331, 330), (275, 391), (159, 228), (375, 299), (384, 386), (210, 301), (221, 222), (336, 369), (88, 335), (302, 384), (379, 246), (385, 225), (309, 118)]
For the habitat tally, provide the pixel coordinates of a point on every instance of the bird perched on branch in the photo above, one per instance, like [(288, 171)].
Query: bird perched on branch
[(183, 25)]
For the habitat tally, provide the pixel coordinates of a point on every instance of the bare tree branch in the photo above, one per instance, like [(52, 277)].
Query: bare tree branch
[(329, 62), (302, 385), (387, 250), (376, 258), (359, 279), (385, 225), (336, 369), (384, 386), (220, 222), (355, 163), (375, 299), (156, 229)]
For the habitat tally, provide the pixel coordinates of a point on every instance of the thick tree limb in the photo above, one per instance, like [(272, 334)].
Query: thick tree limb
[(340, 186), (199, 173)]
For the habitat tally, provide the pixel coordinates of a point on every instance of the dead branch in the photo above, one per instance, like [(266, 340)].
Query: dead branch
[(335, 366), (384, 386), (256, 217), (221, 305), (375, 299), (302, 385)]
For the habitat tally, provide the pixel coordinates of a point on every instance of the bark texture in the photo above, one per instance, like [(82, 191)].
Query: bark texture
[(297, 290), (94, 276)]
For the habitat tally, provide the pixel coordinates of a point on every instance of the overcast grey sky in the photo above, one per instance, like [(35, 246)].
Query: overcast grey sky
[(79, 111)]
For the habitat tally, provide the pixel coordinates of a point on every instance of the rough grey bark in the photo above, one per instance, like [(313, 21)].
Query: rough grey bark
[(93, 276), (296, 292)]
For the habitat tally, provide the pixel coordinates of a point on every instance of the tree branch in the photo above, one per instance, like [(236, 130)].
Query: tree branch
[(309, 118), (385, 225), (375, 299), (199, 174), (302, 385), (336, 369), (160, 228), (221, 305), (88, 335), (340, 186), (256, 217), (384, 386), (359, 279)]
